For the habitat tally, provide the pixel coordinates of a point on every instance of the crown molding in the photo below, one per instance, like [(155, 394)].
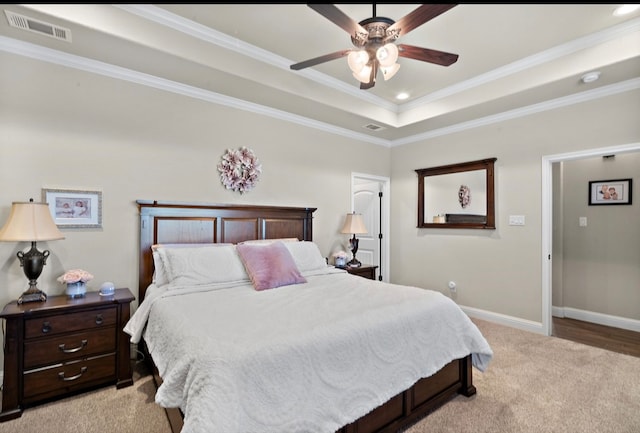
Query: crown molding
[(37, 52)]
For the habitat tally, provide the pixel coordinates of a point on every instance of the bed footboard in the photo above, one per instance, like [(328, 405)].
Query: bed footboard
[(413, 404)]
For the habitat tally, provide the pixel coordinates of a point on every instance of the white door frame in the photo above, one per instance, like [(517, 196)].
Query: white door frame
[(386, 213), (547, 218)]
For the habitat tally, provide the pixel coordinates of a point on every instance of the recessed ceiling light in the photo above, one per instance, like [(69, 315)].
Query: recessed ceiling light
[(402, 96), (625, 9), (590, 77)]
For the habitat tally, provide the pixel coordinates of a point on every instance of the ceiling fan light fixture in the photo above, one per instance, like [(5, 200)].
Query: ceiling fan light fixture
[(389, 71), (387, 54), (357, 60), (364, 75)]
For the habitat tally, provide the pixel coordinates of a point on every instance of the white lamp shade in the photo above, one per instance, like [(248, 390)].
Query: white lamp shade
[(389, 71), (364, 76), (30, 222), (354, 224), (387, 55), (357, 60)]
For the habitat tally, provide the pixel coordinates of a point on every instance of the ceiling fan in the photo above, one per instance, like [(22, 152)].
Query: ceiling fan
[(374, 39)]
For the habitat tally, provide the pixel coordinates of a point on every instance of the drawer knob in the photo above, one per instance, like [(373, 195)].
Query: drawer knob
[(68, 379), (62, 348), (46, 327), (99, 319)]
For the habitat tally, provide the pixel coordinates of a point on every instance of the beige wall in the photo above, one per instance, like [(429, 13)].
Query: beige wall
[(498, 270), (69, 129), (600, 263)]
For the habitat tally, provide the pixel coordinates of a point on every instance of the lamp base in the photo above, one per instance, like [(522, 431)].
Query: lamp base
[(32, 296), (354, 263)]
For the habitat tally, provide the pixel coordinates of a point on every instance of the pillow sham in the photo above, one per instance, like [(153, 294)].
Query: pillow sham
[(205, 265), (307, 256), (267, 241), (269, 265), (159, 277)]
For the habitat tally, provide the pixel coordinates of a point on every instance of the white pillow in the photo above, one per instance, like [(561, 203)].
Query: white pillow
[(267, 241), (307, 256), (159, 277), (207, 265)]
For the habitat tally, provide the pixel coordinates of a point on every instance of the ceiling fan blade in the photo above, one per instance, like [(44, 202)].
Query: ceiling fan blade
[(336, 16), (318, 60), (427, 55), (416, 18)]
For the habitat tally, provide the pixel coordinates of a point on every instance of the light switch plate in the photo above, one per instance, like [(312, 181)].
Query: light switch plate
[(583, 221), (516, 220)]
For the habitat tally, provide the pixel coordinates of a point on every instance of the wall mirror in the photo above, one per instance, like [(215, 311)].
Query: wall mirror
[(457, 195)]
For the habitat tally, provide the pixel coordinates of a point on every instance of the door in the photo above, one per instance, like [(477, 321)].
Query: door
[(370, 198)]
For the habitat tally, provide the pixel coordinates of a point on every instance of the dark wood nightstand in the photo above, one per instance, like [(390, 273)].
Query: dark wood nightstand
[(62, 346), (366, 271)]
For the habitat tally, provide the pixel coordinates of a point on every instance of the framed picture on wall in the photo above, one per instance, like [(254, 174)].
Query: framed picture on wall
[(74, 208), (610, 192)]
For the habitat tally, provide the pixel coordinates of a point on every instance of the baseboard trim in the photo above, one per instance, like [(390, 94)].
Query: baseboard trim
[(599, 318), (503, 319)]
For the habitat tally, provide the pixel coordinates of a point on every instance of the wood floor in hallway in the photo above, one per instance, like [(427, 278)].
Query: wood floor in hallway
[(606, 337)]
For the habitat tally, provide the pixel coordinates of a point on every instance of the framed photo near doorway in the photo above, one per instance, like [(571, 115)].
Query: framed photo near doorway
[(610, 192)]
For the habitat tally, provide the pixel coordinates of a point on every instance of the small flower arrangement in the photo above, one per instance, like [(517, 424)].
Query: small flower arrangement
[(340, 255), (340, 258), (75, 276)]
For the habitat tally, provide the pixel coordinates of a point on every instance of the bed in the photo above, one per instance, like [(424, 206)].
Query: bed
[(249, 330)]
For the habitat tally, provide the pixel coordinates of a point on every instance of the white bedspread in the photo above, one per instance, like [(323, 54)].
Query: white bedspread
[(306, 358)]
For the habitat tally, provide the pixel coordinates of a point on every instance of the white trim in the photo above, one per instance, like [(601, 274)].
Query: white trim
[(599, 318), (502, 319), (386, 217), (547, 216)]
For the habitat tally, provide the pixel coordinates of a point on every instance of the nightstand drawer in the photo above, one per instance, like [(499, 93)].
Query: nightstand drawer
[(61, 379), (67, 347), (365, 271), (79, 321)]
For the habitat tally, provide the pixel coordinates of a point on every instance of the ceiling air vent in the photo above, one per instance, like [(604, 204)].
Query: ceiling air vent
[(373, 127), (37, 26)]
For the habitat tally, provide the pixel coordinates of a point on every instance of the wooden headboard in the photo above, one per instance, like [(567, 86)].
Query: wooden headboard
[(176, 222)]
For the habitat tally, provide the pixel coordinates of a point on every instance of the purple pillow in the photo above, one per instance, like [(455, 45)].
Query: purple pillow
[(269, 265)]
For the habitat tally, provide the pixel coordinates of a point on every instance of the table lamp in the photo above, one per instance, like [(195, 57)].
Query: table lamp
[(355, 225), (31, 222)]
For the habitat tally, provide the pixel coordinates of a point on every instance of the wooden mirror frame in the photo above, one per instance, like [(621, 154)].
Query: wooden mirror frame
[(455, 221)]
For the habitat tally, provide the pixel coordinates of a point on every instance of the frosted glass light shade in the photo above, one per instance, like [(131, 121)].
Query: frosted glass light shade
[(389, 71), (387, 55), (364, 75), (357, 60)]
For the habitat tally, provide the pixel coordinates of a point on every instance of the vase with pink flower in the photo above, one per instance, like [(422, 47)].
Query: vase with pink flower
[(76, 281), (340, 259)]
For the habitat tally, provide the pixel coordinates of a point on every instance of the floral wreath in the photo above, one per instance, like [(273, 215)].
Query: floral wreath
[(464, 196), (239, 169)]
